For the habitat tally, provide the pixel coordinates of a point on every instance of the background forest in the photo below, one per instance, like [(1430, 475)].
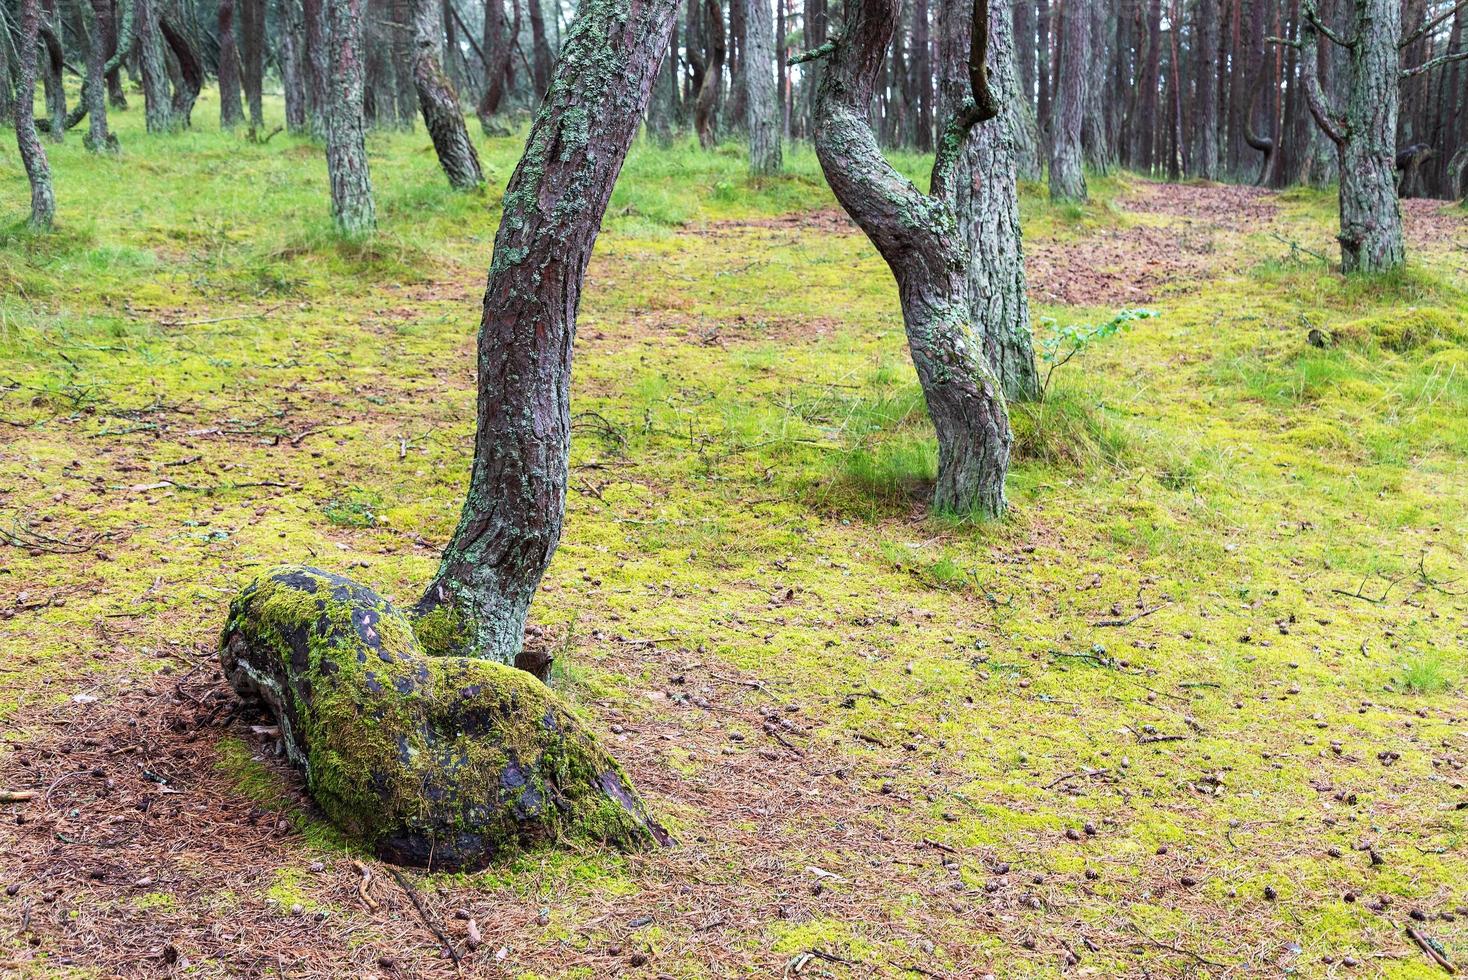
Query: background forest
[(1179, 692)]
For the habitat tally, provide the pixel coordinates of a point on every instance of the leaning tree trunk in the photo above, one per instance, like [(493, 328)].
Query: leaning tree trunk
[(1067, 172), (114, 38), (705, 120), (918, 235), (231, 109), (540, 48), (762, 109), (448, 760), (439, 103), (190, 70), (32, 153), (496, 49), (252, 55), (94, 90), (346, 126), (988, 200), (552, 212)]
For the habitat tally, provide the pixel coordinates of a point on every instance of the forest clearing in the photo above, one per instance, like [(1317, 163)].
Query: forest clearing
[(1191, 705)]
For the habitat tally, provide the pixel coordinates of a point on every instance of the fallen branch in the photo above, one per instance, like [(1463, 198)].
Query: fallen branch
[(1430, 948), (1130, 619), (412, 894)]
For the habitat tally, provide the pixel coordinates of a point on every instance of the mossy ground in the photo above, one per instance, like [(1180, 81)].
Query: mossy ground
[(197, 371)]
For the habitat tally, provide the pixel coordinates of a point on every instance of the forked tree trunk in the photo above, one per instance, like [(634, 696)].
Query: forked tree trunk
[(438, 101), (705, 118), (346, 126), (190, 70), (55, 61), (114, 38), (1067, 171), (988, 200), (918, 235), (762, 109), (32, 153), (553, 210), (252, 58), (231, 108), (1365, 134), (497, 49)]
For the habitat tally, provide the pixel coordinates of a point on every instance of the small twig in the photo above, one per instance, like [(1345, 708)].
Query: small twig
[(1130, 619), (412, 894), (1431, 950), (1159, 944)]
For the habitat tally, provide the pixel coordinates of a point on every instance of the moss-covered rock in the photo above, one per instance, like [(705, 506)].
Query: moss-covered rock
[(439, 762)]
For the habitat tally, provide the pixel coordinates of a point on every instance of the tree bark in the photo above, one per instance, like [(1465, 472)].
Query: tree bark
[(922, 70), (1096, 144), (7, 94), (112, 40), (318, 64), (438, 101), (94, 90), (497, 50), (231, 109), (157, 99), (346, 126), (1067, 173), (762, 110), (540, 48), (291, 57), (705, 117), (553, 210), (32, 153), (1144, 133), (252, 53), (52, 81), (190, 70), (1205, 105), (407, 97), (918, 236), (987, 199)]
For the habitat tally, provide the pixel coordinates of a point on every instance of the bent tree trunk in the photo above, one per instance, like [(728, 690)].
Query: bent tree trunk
[(190, 70), (152, 65), (918, 235), (553, 210), (1067, 174), (32, 153), (94, 90), (426, 755), (705, 121), (439, 103), (496, 50), (988, 201), (762, 110), (346, 126), (55, 91)]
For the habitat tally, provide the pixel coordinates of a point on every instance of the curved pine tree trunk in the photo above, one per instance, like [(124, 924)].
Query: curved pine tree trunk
[(231, 108), (94, 89), (32, 153), (438, 101), (988, 201), (497, 49), (705, 109), (190, 71), (762, 108), (55, 61), (553, 210), (1067, 173), (346, 127), (540, 48), (918, 235), (252, 58)]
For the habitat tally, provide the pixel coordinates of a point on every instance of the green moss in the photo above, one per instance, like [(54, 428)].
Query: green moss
[(1408, 329)]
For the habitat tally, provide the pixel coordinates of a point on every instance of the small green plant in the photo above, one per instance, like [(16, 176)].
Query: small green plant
[(356, 509), (1426, 674), (1067, 342)]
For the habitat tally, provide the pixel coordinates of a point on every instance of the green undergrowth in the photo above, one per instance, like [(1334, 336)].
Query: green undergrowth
[(1266, 486)]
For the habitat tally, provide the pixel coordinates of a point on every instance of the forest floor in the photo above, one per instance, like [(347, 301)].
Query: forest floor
[(1196, 709)]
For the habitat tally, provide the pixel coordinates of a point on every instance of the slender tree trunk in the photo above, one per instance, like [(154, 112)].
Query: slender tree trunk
[(1096, 144), (552, 213), (54, 63), (190, 70), (497, 51), (918, 235), (7, 94), (408, 88), (1145, 132), (318, 64), (922, 70), (152, 66), (705, 115), (1205, 108), (231, 109), (1024, 49), (94, 90), (737, 109), (1067, 174), (541, 66), (107, 22), (32, 153), (346, 125), (1042, 64), (987, 199), (252, 53), (810, 79), (763, 119), (291, 57), (441, 114)]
